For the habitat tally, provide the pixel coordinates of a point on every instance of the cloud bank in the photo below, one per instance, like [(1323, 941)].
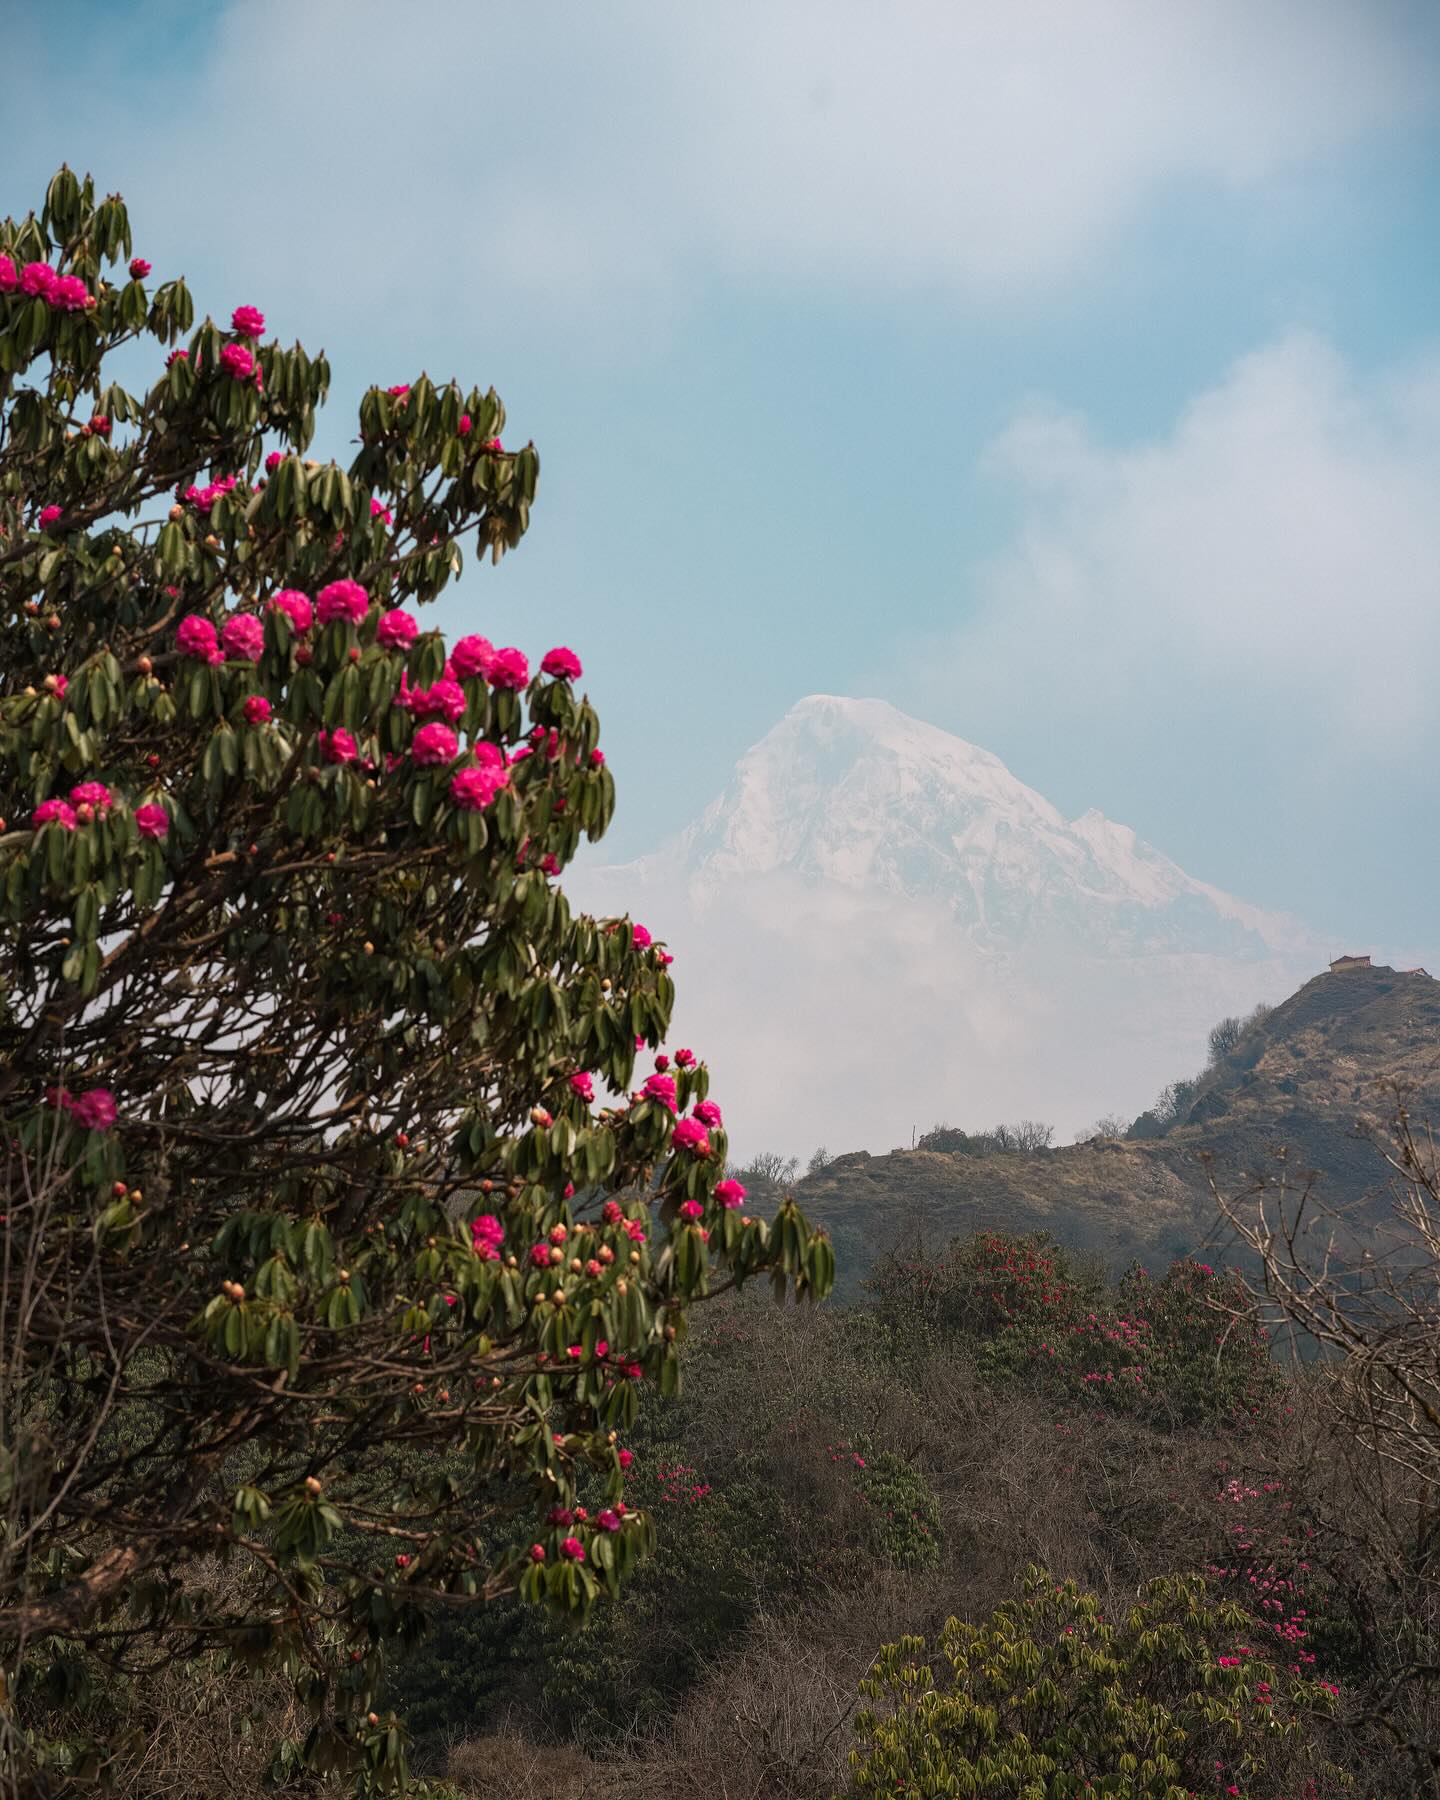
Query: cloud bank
[(579, 157)]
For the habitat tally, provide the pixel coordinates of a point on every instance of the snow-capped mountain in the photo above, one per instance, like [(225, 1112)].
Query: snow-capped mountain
[(878, 898)]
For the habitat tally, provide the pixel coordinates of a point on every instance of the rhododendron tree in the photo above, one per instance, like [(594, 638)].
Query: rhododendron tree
[(338, 1232)]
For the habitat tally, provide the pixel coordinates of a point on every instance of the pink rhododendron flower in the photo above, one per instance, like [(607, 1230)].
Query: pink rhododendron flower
[(662, 1062), (573, 1549), (37, 278), (444, 699), (486, 1236), (139, 268), (273, 462), (639, 1040), (195, 637), (540, 1256), (336, 746), (379, 511), (237, 361), (49, 515), (661, 1088), (99, 425), (463, 428), (94, 1109), (641, 937), (435, 744), (243, 637), (399, 393), (247, 321), (152, 821), (625, 1458), (494, 444), (474, 789), (342, 600), (61, 685), (582, 1085), (9, 276), (397, 629), (508, 669), (176, 356), (608, 1519), (296, 608), (537, 1553), (691, 1135), (708, 1113), (562, 663), (68, 293), (472, 656), (597, 759), (685, 1059), (635, 1231), (92, 793), (256, 709), (612, 1212), (55, 812), (730, 1194), (691, 1209), (665, 958)]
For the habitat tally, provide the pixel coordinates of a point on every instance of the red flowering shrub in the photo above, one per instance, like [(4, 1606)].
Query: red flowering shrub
[(288, 998), (1173, 1352)]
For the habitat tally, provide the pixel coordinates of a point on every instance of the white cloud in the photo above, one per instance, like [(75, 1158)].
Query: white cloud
[(1280, 549), (570, 155)]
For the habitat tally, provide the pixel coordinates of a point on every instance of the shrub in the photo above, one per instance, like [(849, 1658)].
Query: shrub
[(1048, 1697)]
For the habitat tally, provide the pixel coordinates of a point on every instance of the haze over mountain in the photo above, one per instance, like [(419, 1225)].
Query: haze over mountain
[(877, 926)]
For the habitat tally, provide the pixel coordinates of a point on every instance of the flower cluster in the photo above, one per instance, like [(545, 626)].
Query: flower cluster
[(38, 281), (94, 1110)]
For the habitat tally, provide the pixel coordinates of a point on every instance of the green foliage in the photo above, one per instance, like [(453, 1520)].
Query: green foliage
[(1048, 1698), (322, 1261), (904, 1508)]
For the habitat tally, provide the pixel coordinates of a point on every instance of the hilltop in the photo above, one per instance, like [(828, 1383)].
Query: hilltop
[(1308, 1079)]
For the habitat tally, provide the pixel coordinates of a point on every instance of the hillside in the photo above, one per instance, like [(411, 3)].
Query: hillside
[(1309, 1079)]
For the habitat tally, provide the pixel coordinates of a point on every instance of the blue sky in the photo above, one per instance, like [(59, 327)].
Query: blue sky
[(1067, 375)]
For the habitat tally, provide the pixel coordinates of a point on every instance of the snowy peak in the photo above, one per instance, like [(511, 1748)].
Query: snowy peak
[(877, 925), (856, 794)]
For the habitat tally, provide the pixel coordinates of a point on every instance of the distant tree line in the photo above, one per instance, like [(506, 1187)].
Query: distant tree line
[(1024, 1137)]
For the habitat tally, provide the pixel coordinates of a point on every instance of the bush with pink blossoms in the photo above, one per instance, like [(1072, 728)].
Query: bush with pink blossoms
[(329, 997)]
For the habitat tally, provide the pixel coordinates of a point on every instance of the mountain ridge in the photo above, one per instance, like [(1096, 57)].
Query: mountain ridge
[(1312, 1083)]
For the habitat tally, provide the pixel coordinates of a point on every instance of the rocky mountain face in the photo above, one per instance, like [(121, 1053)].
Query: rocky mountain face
[(877, 926), (1313, 1083)]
